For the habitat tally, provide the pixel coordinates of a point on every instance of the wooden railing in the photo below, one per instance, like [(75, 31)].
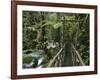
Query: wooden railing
[(77, 60), (57, 60)]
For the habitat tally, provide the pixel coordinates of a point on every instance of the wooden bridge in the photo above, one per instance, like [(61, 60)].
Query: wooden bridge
[(69, 58), (68, 54)]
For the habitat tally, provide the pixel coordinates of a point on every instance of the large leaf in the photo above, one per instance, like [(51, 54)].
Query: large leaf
[(57, 25), (53, 17)]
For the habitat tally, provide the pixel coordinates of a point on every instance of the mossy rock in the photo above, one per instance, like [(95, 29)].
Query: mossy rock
[(27, 59)]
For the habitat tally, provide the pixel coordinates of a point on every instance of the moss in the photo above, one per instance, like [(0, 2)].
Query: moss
[(27, 59)]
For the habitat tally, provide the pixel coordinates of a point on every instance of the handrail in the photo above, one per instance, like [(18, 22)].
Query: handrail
[(59, 52), (78, 55), (52, 61)]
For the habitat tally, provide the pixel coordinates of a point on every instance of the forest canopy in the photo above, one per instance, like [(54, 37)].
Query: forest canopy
[(54, 39)]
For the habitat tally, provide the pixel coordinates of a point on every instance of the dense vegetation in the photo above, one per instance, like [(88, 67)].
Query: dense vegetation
[(45, 33)]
